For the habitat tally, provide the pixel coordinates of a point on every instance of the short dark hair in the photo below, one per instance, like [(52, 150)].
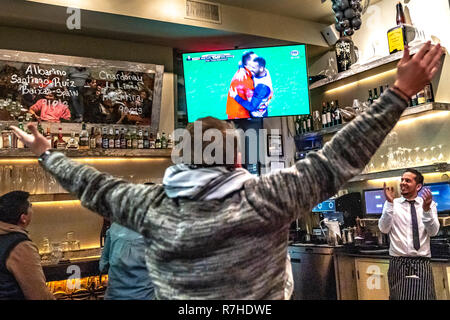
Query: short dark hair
[(261, 61), (13, 205), (418, 178), (246, 56)]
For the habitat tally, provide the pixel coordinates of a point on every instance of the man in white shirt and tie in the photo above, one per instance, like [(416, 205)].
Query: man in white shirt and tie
[(410, 221)]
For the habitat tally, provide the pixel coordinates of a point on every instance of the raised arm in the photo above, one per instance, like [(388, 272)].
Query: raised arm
[(122, 202), (288, 193)]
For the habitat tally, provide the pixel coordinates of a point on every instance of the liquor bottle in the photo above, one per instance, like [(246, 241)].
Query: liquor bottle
[(324, 115), (40, 129), (309, 123), (20, 144), (370, 100), (152, 141), (329, 120), (421, 97), (117, 139), (98, 138), (381, 90), (400, 18), (48, 136), (333, 115), (337, 113), (105, 139), (304, 125), (60, 143), (317, 123), (140, 140), (146, 140), (169, 142), (297, 125), (111, 141), (414, 100), (429, 97), (92, 141), (134, 140), (72, 143), (129, 140), (123, 139), (158, 141), (163, 141), (84, 137), (375, 94)]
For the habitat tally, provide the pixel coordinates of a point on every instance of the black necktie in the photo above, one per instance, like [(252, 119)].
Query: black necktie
[(415, 227)]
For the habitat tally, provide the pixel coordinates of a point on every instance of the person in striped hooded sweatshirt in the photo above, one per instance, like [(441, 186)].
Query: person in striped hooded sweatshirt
[(213, 230)]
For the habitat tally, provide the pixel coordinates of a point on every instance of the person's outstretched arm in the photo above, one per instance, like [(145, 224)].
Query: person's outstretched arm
[(288, 193), (118, 200)]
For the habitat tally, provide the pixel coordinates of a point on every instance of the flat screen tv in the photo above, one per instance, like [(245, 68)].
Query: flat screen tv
[(374, 201), (441, 195), (247, 83)]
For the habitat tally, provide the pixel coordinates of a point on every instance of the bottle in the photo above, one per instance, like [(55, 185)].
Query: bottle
[(134, 140), (111, 141), (158, 141), (429, 97), (98, 138), (414, 100), (324, 115), (304, 125), (60, 143), (309, 123), (375, 94), (20, 144), (40, 129), (84, 137), (146, 140), (105, 139), (72, 143), (152, 141), (123, 140), (48, 136), (129, 140), (163, 141), (140, 140), (329, 120), (381, 90), (92, 139), (169, 142), (117, 139), (400, 19), (421, 97), (370, 100), (337, 116), (317, 121), (333, 115), (297, 125)]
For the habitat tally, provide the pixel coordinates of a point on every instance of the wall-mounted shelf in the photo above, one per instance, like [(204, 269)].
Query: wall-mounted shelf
[(410, 111), (437, 167), (358, 69), (94, 153)]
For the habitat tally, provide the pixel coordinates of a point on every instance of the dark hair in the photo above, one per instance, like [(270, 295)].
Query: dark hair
[(246, 57), (418, 178), (13, 205), (261, 61)]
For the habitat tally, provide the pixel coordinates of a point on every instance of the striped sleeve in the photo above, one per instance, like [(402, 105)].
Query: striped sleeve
[(288, 193)]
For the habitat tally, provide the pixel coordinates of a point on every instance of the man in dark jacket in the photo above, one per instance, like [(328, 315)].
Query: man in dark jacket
[(216, 232), (21, 275)]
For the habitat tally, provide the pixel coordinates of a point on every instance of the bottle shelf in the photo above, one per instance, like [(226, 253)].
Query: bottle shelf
[(358, 69), (93, 153), (410, 111)]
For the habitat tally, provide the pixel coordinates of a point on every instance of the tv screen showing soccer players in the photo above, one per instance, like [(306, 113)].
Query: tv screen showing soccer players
[(246, 83)]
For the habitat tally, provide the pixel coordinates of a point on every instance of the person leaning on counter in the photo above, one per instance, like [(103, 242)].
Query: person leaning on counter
[(410, 221), (214, 231)]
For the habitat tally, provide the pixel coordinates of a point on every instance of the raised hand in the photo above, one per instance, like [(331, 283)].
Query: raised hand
[(413, 73), (389, 193), (35, 141), (240, 75), (233, 92), (427, 199)]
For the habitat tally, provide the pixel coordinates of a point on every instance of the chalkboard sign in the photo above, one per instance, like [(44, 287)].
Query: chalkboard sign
[(57, 88)]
